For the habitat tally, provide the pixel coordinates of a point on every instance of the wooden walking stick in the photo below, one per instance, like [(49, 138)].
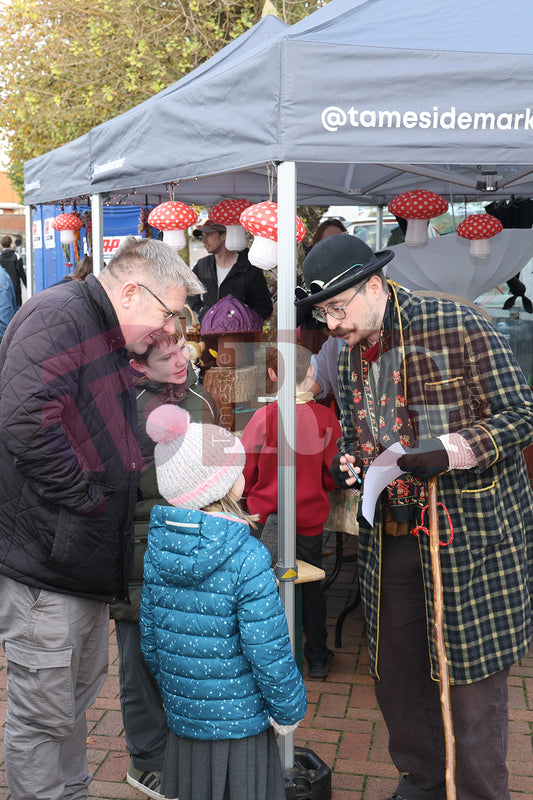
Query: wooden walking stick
[(434, 545)]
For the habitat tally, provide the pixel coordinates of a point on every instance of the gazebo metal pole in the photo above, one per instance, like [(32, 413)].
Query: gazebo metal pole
[(30, 261), (379, 227), (286, 566), (97, 219)]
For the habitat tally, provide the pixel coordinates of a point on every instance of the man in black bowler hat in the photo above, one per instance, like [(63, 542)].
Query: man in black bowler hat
[(435, 376)]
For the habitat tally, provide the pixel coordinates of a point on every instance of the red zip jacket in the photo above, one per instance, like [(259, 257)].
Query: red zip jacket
[(317, 431)]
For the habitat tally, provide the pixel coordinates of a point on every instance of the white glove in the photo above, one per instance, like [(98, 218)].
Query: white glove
[(283, 730)]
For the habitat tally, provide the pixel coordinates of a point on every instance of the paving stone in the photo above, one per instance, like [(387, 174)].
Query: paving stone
[(343, 724)]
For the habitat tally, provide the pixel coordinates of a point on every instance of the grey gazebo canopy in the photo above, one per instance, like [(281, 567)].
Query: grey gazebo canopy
[(368, 99)]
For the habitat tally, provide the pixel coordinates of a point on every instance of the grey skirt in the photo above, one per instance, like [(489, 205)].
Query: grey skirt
[(227, 769)]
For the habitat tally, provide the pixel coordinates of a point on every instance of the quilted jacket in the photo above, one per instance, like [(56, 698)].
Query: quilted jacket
[(68, 445), (459, 375), (213, 629)]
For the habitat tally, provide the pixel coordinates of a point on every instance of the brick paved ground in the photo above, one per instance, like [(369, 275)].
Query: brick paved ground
[(343, 724)]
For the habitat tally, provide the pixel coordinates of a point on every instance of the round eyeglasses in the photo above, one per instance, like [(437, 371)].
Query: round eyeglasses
[(333, 309)]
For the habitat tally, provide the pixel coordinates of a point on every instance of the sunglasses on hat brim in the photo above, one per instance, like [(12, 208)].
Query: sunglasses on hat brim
[(319, 286)]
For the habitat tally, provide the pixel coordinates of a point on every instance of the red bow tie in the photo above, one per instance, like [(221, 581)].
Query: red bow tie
[(372, 353)]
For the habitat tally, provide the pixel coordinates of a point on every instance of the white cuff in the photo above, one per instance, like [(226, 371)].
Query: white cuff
[(460, 454)]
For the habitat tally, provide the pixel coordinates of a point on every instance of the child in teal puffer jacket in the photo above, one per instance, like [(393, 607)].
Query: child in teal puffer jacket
[(213, 628)]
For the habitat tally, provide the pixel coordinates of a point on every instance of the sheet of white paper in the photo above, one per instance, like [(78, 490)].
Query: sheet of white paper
[(381, 472)]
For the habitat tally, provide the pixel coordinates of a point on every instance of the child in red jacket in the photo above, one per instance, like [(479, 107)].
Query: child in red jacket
[(317, 431)]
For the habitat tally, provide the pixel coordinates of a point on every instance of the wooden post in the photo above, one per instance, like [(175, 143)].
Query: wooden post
[(230, 385)]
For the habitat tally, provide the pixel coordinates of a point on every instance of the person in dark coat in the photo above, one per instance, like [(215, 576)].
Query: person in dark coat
[(165, 376), (12, 264), (69, 471), (223, 272), (8, 306), (434, 377)]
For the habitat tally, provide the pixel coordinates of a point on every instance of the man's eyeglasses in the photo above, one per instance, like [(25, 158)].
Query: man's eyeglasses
[(334, 310), (169, 314)]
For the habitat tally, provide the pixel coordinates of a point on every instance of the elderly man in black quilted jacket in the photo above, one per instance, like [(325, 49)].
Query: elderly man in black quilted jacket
[(69, 469)]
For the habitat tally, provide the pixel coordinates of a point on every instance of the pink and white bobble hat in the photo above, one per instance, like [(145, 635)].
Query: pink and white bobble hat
[(195, 464)]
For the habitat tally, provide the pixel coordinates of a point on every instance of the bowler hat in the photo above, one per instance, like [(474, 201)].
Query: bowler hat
[(336, 263)]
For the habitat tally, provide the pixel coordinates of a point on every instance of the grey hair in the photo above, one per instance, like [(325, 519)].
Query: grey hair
[(151, 257)]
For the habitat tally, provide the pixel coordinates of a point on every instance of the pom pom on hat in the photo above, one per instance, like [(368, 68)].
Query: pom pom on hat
[(195, 464), (166, 423)]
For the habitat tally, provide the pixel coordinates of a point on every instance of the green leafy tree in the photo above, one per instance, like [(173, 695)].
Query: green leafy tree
[(68, 65)]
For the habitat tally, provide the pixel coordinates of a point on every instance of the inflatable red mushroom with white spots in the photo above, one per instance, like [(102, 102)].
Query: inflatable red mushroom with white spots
[(261, 220), (67, 225), (172, 218), (417, 207), (228, 213), (479, 228)]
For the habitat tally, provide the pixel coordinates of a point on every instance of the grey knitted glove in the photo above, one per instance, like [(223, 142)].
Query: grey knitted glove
[(283, 730)]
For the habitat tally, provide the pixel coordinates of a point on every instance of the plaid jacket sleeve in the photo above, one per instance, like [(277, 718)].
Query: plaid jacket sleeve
[(504, 396)]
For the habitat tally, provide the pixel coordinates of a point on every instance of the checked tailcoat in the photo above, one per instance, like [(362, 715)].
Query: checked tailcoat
[(457, 374)]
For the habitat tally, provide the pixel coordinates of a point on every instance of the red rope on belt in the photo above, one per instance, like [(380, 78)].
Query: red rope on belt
[(421, 527)]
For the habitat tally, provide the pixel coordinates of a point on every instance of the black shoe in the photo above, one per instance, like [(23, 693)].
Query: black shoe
[(146, 781), (396, 797), (320, 669)]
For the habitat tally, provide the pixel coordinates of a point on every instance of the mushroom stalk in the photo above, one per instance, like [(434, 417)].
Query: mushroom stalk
[(174, 238), (416, 234), (67, 236), (235, 238), (480, 248), (263, 253)]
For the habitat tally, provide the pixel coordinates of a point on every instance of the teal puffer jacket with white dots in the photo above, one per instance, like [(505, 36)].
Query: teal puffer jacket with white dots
[(213, 628)]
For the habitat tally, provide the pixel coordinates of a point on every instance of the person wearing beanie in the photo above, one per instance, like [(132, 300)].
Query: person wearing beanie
[(213, 629), (164, 375)]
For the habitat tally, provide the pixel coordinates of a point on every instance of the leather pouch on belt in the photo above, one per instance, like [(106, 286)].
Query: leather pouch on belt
[(395, 527)]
